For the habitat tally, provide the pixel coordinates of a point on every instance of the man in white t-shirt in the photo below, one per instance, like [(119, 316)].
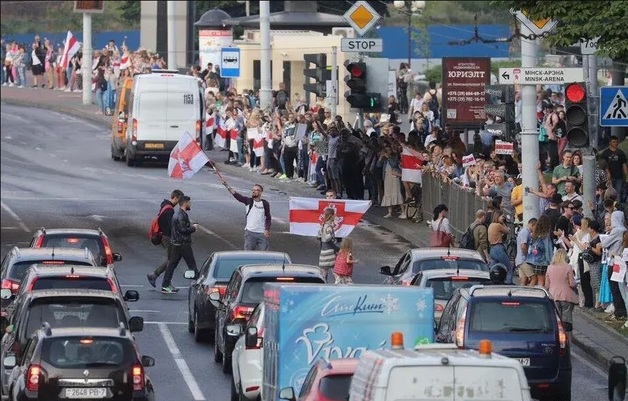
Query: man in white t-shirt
[(257, 230)]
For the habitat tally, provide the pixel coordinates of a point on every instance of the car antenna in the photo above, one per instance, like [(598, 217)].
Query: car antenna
[(53, 252), (448, 251), (71, 270), (283, 266)]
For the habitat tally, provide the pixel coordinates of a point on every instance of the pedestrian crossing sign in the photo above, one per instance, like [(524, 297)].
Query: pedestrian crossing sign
[(613, 106)]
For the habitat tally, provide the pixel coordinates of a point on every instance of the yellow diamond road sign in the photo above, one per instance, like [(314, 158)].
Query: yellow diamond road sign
[(362, 17), (539, 26)]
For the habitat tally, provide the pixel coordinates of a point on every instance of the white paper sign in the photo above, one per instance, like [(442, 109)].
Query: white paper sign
[(252, 133), (301, 130), (619, 270), (468, 161)]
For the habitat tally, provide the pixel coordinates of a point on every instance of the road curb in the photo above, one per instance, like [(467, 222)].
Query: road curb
[(587, 315), (58, 108)]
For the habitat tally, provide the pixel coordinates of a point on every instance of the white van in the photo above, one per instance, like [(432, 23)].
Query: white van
[(438, 372), (163, 106)]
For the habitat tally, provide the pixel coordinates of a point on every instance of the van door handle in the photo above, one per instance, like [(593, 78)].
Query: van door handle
[(174, 126)]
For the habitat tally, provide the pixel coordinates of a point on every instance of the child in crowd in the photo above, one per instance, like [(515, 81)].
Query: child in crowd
[(343, 268)]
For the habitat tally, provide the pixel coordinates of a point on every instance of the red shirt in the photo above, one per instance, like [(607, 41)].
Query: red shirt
[(341, 267)]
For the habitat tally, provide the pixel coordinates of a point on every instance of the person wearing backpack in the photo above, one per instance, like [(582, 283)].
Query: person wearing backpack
[(281, 97), (431, 98), (164, 232), (476, 236)]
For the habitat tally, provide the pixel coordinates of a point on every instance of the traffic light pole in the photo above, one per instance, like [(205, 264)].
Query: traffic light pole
[(334, 80), (361, 111), (593, 102), (529, 134)]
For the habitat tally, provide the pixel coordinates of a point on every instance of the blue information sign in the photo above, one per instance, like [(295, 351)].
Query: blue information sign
[(230, 62), (613, 106)]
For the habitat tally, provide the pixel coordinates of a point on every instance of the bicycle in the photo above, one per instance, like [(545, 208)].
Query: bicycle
[(414, 208), (511, 244)]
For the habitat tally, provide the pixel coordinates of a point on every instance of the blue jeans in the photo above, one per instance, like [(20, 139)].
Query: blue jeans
[(240, 143), (21, 76), (498, 255), (320, 165)]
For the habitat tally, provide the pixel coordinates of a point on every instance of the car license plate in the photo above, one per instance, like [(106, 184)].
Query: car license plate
[(524, 361), (154, 146), (77, 393)]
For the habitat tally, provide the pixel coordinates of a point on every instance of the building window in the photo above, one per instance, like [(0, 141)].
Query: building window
[(287, 72), (257, 74)]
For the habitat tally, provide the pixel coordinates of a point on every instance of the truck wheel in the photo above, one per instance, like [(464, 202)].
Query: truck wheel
[(226, 364), (129, 162), (217, 353), (199, 334), (114, 156)]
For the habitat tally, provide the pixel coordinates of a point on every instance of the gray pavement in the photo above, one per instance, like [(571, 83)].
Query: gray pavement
[(596, 340)]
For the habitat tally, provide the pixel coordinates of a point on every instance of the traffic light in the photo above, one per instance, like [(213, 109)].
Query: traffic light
[(576, 114), (357, 95), (500, 102), (320, 74)]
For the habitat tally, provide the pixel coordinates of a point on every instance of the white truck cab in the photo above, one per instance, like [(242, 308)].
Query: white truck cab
[(437, 372)]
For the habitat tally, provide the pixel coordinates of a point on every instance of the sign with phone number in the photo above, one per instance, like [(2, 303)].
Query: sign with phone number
[(463, 99)]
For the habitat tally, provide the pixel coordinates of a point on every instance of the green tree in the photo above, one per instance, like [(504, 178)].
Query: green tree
[(131, 11), (582, 19)]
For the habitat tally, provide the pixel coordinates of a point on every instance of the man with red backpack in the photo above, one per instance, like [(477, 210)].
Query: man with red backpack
[(164, 221)]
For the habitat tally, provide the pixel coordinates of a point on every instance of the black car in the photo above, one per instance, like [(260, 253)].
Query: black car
[(214, 276), (79, 363), (64, 308), (244, 292), (18, 260), (94, 240), (521, 323)]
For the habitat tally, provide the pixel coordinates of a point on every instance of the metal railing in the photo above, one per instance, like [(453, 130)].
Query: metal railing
[(462, 203)]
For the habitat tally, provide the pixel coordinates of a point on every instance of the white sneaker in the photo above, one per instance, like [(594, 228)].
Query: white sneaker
[(11, 85), (21, 87), (4, 84), (610, 309), (68, 90), (403, 216)]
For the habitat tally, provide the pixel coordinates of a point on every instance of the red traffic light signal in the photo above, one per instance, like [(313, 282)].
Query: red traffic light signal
[(356, 80), (576, 115)]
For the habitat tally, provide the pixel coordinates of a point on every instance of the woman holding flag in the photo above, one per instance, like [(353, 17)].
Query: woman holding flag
[(327, 236)]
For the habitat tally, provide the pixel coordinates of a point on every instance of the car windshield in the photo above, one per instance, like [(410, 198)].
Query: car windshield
[(91, 283), (335, 387), (86, 352), (253, 290), (511, 316), (444, 287), (18, 270), (448, 263), (91, 242), (226, 266), (75, 313)]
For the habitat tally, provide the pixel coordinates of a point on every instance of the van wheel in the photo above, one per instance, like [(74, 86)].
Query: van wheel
[(217, 354), (129, 162), (114, 156)]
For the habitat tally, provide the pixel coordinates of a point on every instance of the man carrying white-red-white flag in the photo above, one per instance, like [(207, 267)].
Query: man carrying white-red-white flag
[(306, 215), (70, 48), (186, 158), (411, 163)]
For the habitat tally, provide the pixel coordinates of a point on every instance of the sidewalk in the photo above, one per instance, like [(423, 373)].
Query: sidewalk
[(594, 336)]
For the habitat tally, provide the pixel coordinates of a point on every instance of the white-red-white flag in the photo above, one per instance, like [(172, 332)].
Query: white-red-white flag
[(221, 134), (410, 166), (186, 158), (233, 142), (125, 61), (210, 123), (70, 48), (254, 134), (306, 215)]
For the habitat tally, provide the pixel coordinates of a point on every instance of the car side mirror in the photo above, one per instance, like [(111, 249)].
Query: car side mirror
[(5, 293), (385, 270), (287, 393), (250, 339), (9, 329), (117, 257), (190, 275), (9, 361), (148, 361), (234, 330), (131, 296), (136, 323), (215, 296)]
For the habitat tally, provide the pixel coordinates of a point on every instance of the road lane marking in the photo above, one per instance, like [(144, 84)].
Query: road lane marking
[(181, 364), (593, 367), (15, 217), (210, 232), (167, 323), (132, 285), (143, 311), (279, 220)]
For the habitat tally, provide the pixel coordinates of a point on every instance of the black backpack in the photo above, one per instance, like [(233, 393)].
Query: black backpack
[(468, 239), (432, 104)]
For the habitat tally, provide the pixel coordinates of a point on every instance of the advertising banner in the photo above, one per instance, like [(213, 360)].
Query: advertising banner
[(463, 96), (210, 44)]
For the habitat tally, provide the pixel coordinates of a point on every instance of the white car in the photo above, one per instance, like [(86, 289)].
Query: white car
[(247, 358), (445, 281)]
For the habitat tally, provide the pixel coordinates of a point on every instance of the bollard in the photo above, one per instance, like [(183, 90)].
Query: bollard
[(617, 379)]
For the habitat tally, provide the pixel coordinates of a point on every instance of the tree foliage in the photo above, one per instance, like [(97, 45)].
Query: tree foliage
[(606, 19)]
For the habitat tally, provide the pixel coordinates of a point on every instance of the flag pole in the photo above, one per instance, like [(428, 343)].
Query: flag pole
[(216, 170)]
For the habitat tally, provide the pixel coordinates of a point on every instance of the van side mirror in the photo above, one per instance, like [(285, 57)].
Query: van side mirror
[(287, 393), (148, 361), (250, 339), (5, 293), (617, 379), (215, 296), (234, 330), (9, 361), (117, 257), (385, 270), (136, 323), (9, 329), (190, 274), (131, 296)]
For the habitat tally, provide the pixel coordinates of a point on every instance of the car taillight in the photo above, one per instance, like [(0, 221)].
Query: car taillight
[(114, 287), (120, 127), (14, 286), (40, 241), (221, 289), (32, 377), (562, 336), (460, 330), (134, 134), (199, 127), (138, 378), (241, 312), (438, 307), (108, 253), (32, 284)]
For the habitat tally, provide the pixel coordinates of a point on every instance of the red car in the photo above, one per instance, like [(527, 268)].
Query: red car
[(326, 381)]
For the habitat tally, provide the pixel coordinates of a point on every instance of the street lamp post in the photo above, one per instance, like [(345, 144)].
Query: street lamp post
[(411, 8)]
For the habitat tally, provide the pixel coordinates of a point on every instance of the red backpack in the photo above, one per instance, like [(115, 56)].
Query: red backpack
[(154, 234)]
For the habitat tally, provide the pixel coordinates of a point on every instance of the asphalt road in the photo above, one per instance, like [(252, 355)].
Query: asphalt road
[(56, 171)]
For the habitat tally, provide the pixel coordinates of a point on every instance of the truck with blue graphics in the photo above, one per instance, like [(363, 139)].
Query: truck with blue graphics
[(304, 323)]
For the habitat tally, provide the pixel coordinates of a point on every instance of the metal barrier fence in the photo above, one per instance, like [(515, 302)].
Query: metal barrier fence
[(462, 203)]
